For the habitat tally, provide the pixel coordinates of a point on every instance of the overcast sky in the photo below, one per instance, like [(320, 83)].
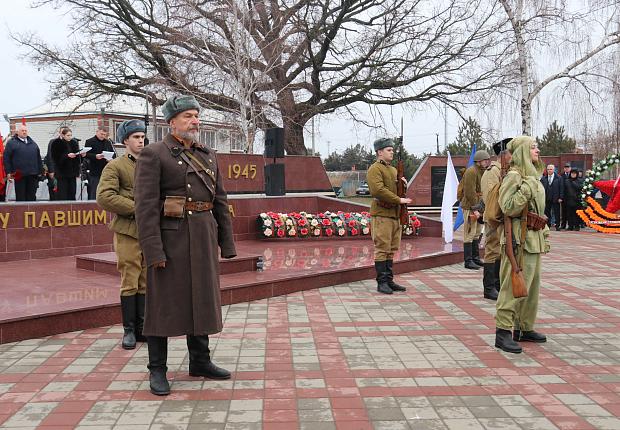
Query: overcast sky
[(23, 87)]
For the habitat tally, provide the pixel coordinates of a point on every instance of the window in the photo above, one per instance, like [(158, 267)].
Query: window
[(161, 131), (209, 138), (236, 142)]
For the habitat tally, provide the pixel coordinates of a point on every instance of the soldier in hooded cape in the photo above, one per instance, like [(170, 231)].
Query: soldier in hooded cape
[(515, 317)]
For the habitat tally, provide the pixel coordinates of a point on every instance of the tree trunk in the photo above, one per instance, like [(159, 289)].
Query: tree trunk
[(294, 136)]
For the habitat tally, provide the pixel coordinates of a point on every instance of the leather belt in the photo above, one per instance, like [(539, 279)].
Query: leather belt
[(198, 206), (385, 205)]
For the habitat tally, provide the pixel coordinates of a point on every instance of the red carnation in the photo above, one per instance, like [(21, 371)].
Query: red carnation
[(352, 223), (304, 231), (354, 232), (329, 231), (326, 222), (280, 233), (302, 222), (278, 223), (417, 223)]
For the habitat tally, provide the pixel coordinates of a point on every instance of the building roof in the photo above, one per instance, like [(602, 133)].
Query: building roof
[(120, 105)]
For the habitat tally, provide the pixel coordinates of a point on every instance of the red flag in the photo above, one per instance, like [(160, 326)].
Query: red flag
[(2, 172), (23, 121)]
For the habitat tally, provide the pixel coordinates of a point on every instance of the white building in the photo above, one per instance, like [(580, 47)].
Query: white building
[(83, 118)]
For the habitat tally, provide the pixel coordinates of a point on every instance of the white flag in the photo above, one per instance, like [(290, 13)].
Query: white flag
[(449, 198)]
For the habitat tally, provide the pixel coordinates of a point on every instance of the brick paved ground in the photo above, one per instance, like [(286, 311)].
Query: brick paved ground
[(344, 357)]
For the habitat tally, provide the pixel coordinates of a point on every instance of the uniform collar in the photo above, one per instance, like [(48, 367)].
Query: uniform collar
[(132, 158), (385, 163), (176, 147)]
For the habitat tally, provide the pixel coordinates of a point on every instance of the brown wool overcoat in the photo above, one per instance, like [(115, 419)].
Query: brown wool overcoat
[(184, 297)]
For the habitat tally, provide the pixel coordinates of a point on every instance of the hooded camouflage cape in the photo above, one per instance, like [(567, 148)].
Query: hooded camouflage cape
[(521, 187)]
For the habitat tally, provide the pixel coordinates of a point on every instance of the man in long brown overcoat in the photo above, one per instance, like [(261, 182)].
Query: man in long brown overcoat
[(182, 215)]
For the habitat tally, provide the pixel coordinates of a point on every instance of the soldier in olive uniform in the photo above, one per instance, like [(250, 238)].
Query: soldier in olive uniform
[(521, 188), (471, 200), (115, 194), (385, 212), (490, 179)]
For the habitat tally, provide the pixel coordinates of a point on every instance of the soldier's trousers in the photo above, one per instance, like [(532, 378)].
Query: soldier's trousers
[(491, 243), (386, 233), (518, 313), (130, 264), (471, 229)]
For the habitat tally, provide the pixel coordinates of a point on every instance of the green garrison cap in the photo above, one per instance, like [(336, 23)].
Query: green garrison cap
[(384, 142), (177, 104)]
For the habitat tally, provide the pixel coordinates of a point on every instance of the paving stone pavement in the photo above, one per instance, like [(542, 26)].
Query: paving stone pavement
[(345, 357)]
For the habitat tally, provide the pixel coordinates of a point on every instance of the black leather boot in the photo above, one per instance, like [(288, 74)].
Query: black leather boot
[(390, 277), (158, 357), (529, 336), (475, 253), (504, 341), (469, 263), (382, 284), (488, 281), (200, 363), (497, 280), (128, 309), (140, 317)]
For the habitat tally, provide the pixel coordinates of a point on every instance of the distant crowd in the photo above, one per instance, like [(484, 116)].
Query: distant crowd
[(64, 165), (563, 197)]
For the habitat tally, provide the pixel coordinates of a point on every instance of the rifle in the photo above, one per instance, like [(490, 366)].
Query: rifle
[(516, 275), (400, 185)]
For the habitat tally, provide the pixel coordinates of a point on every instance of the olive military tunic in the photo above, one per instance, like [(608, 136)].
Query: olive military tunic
[(385, 209), (184, 297), (115, 194)]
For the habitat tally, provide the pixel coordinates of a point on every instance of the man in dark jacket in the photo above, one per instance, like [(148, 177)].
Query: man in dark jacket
[(554, 195), (182, 216), (96, 161), (23, 164)]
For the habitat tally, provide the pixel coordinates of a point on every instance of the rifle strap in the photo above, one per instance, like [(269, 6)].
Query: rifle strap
[(523, 231)]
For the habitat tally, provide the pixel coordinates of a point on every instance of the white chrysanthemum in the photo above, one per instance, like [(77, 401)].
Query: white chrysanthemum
[(268, 232)]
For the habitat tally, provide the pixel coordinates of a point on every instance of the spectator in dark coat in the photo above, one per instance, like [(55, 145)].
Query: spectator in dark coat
[(96, 161), (565, 176), (554, 194), (572, 193), (23, 164), (66, 159)]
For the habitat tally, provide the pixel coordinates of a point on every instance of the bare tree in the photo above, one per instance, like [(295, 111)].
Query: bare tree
[(276, 62), (547, 35)]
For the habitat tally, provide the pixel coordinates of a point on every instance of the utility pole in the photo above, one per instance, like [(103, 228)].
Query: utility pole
[(437, 136), (313, 151), (445, 127), (328, 151)]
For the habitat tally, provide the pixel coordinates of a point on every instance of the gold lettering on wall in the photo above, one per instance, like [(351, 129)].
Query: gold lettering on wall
[(28, 217), (87, 217), (74, 218), (57, 218), (45, 218), (231, 210), (4, 219), (60, 218), (100, 217), (237, 171)]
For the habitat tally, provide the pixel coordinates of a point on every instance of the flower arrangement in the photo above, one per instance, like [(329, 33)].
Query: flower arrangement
[(323, 224), (414, 226), (594, 175)]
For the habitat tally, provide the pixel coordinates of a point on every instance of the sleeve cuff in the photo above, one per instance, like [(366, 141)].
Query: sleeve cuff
[(153, 250)]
